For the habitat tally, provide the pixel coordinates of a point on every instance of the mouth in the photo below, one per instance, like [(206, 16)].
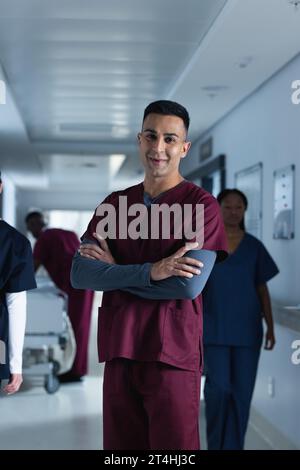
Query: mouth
[(157, 161)]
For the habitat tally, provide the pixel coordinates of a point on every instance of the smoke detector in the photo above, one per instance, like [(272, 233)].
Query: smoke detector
[(245, 61), (295, 3)]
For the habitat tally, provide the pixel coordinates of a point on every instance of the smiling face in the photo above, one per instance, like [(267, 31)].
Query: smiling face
[(233, 210), (162, 145)]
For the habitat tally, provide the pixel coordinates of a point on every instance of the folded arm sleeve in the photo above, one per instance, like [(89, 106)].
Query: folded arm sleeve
[(177, 287), (97, 275)]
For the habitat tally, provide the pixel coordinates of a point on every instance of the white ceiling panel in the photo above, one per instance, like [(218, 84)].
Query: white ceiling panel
[(96, 62), (80, 72), (137, 10)]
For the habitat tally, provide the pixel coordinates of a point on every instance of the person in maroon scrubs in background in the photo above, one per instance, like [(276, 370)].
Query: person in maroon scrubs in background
[(150, 320), (54, 249)]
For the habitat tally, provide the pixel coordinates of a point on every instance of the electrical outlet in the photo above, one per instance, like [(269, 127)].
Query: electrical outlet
[(271, 387)]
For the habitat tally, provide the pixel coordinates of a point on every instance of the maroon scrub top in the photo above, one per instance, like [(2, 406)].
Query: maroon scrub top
[(168, 331), (55, 249)]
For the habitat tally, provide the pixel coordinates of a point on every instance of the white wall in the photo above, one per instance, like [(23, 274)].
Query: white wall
[(9, 200), (266, 128), (28, 200)]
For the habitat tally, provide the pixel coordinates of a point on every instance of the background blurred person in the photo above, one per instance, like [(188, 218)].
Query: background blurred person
[(16, 277), (236, 298), (54, 249)]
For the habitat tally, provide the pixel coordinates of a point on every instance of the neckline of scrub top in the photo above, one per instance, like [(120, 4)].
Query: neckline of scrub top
[(239, 245), (162, 193)]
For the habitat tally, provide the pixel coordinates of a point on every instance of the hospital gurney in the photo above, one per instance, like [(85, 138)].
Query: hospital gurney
[(49, 345)]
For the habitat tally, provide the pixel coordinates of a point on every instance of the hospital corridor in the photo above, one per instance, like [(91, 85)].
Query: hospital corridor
[(71, 419), (150, 226)]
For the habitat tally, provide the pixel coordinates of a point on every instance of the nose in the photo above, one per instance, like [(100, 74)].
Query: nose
[(159, 144)]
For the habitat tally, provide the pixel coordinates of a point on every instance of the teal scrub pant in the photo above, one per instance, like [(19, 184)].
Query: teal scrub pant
[(230, 378)]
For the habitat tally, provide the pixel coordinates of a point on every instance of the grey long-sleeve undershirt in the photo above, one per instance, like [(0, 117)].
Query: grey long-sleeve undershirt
[(135, 278)]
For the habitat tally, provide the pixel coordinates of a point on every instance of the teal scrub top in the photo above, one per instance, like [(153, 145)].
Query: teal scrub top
[(231, 308)]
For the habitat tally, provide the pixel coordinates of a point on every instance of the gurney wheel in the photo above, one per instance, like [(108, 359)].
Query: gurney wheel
[(56, 367), (51, 384)]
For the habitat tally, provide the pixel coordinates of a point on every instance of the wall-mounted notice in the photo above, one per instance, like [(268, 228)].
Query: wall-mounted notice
[(249, 181), (284, 202)]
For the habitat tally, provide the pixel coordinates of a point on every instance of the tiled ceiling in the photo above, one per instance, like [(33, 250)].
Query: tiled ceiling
[(84, 70), (80, 73)]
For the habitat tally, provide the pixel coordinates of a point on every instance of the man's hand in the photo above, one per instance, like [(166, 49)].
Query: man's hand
[(177, 265), (102, 252), (14, 384)]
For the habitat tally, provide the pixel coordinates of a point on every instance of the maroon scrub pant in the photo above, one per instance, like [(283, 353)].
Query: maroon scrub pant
[(80, 303), (150, 405)]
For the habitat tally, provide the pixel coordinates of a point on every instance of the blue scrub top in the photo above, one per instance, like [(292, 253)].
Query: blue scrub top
[(16, 275), (231, 306)]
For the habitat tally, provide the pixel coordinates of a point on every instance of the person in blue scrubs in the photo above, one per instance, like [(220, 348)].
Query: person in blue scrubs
[(235, 301), (16, 277)]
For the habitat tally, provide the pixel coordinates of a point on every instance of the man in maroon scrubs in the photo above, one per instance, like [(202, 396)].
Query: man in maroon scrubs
[(150, 321), (54, 249)]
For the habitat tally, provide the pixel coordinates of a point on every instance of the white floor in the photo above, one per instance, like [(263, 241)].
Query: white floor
[(69, 419)]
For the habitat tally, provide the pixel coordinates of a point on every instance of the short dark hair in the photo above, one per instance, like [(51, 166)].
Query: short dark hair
[(168, 108), (227, 192), (33, 215)]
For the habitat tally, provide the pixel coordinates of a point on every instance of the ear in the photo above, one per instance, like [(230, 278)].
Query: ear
[(139, 137), (186, 148)]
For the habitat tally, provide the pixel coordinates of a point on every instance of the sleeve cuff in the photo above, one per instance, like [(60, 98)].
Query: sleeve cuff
[(146, 274)]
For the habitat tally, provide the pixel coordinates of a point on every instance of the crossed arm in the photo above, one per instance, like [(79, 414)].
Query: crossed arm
[(175, 277)]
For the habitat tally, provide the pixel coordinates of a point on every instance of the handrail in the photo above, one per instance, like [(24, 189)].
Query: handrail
[(287, 317)]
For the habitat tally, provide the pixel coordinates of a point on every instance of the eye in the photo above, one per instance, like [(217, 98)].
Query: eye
[(170, 140), (151, 137)]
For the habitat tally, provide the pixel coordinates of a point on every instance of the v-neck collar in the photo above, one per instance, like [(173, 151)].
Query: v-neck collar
[(238, 247), (162, 193)]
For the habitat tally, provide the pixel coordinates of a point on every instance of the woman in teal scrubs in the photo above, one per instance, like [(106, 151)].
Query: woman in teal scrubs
[(236, 300)]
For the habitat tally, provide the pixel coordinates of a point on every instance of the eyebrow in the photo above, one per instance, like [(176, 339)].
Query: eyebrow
[(166, 133)]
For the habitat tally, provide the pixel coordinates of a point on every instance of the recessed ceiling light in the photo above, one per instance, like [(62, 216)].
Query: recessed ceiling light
[(119, 131), (89, 165), (115, 163), (243, 62), (213, 90), (84, 127), (295, 3)]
